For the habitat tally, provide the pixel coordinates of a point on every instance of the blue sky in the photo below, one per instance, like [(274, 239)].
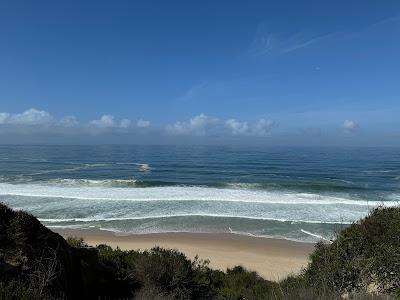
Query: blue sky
[(287, 73)]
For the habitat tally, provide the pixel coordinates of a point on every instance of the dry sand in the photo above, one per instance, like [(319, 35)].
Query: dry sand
[(273, 259)]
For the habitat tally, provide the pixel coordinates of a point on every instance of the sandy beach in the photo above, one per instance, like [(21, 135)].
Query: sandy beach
[(273, 259)]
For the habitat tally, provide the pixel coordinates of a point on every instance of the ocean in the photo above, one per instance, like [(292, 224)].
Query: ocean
[(302, 194)]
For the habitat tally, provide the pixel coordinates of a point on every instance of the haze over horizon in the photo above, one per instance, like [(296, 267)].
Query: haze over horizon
[(178, 72)]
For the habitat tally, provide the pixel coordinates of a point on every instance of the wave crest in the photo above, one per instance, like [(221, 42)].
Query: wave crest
[(94, 182), (98, 190)]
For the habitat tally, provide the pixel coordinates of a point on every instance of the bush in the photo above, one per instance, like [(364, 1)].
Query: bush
[(153, 293), (76, 242), (16, 291), (238, 283), (6, 214), (295, 287), (170, 272), (365, 256)]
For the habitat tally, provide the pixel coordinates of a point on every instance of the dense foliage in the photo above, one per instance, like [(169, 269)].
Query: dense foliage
[(365, 256), (36, 263)]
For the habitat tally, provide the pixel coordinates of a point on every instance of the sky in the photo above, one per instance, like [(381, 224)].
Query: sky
[(213, 72)]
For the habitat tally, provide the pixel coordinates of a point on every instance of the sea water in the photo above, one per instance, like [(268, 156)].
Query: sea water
[(303, 194)]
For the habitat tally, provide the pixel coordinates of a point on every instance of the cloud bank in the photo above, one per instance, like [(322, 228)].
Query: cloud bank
[(34, 118), (29, 117), (39, 126), (142, 123), (201, 125), (261, 127)]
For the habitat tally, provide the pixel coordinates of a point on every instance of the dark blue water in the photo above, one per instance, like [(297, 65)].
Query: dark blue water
[(293, 193)]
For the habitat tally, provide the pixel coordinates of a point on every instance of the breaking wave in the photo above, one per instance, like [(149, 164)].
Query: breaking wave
[(109, 189)]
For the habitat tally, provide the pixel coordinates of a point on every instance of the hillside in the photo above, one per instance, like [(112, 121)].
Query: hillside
[(36, 263)]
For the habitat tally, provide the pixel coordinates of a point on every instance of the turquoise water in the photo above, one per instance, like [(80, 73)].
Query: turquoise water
[(293, 193)]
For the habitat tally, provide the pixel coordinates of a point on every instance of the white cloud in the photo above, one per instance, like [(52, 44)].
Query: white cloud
[(33, 120), (268, 41), (142, 123), (34, 116), (202, 125), (69, 121), (349, 126), (125, 123), (31, 116), (199, 125), (194, 91), (262, 127), (4, 117), (263, 44), (299, 41), (106, 121), (236, 127)]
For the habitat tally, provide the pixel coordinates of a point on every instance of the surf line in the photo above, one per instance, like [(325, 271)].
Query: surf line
[(238, 232), (316, 235)]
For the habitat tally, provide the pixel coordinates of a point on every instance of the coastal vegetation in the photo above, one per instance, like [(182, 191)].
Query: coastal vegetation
[(363, 262)]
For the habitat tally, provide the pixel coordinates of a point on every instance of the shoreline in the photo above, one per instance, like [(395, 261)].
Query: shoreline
[(273, 259)]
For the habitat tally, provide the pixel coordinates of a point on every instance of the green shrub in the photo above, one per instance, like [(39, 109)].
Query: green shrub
[(6, 214), (22, 227), (152, 293), (119, 262), (365, 255), (296, 287), (76, 242), (238, 283), (170, 272), (16, 291)]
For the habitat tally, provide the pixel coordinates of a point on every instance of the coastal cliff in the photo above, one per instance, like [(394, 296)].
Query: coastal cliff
[(36, 263)]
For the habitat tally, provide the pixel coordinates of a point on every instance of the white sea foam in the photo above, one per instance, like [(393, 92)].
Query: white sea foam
[(93, 182), (97, 191), (105, 219), (142, 166), (97, 165), (395, 198), (58, 170), (315, 235), (244, 185), (99, 201), (378, 171), (78, 167)]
